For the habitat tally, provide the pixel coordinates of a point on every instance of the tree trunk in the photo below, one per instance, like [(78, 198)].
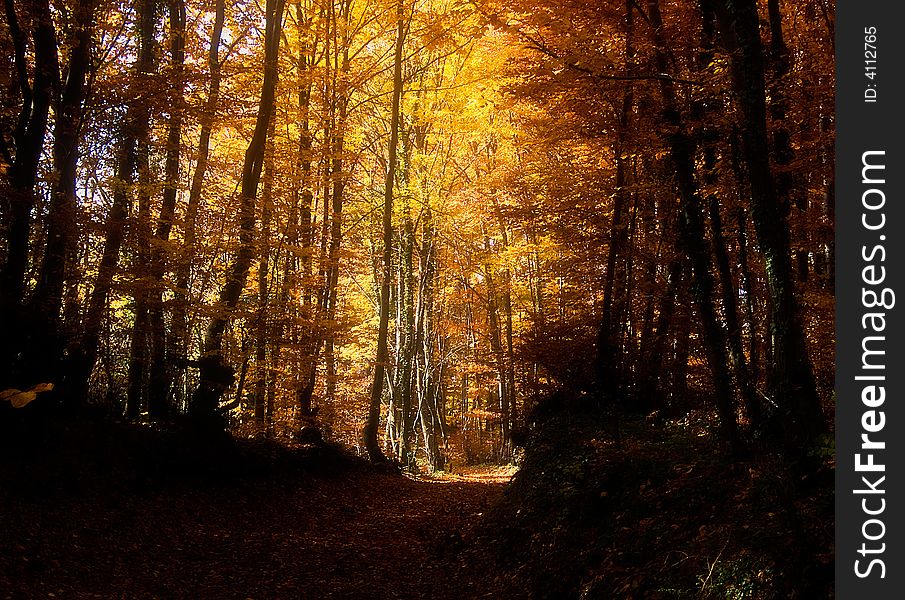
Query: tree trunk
[(748, 285), (370, 431), (83, 353), (609, 342), (336, 195), (730, 309), (186, 256), (793, 383), (62, 229), (261, 326), (163, 350), (141, 328), (28, 136), (18, 187), (693, 242), (303, 235), (215, 376)]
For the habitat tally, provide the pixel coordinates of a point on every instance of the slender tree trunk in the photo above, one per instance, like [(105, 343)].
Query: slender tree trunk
[(609, 343), (37, 97), (261, 326), (693, 242), (370, 431), (186, 256), (678, 389), (748, 285), (429, 393), (730, 308), (336, 215), (304, 193), (215, 376), (83, 353), (162, 347), (665, 320), (139, 355), (405, 347)]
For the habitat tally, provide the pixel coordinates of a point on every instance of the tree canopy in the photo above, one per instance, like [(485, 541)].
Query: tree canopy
[(416, 219)]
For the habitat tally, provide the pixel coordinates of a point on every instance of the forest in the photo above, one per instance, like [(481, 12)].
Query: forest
[(536, 296)]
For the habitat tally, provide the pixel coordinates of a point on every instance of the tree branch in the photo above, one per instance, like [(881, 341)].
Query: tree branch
[(536, 44)]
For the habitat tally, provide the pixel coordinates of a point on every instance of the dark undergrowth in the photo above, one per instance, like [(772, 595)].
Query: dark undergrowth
[(48, 454), (663, 515)]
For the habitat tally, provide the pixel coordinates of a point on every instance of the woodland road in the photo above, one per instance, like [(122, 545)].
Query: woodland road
[(351, 535)]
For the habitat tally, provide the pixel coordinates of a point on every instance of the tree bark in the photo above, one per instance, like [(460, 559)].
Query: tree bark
[(609, 342), (371, 427), (693, 242), (62, 230), (139, 355), (730, 309), (83, 353), (215, 376), (182, 295), (164, 349), (21, 177), (18, 187), (261, 327), (793, 385)]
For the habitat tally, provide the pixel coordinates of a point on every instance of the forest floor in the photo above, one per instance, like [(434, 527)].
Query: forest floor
[(99, 510), (90, 526)]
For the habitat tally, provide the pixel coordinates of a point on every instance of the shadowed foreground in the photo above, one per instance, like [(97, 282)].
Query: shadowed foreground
[(352, 533)]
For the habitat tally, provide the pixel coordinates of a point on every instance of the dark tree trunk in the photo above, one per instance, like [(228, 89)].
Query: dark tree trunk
[(655, 355), (405, 348), (609, 342), (694, 243), (371, 427), (303, 233), (508, 371), (336, 216), (748, 285), (83, 352), (163, 350), (46, 303), (18, 186), (215, 376), (139, 355), (262, 330), (28, 136), (186, 256), (793, 385), (730, 309)]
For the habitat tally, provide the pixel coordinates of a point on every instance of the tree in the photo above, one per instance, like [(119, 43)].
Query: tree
[(793, 380), (370, 431), (36, 96), (60, 251), (133, 135), (215, 376)]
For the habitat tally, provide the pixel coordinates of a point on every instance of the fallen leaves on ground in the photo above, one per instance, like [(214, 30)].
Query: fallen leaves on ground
[(354, 534)]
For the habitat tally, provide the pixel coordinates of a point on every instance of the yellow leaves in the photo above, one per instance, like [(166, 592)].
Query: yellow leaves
[(21, 399), (17, 398)]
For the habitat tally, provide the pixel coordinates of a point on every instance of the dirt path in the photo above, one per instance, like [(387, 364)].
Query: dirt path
[(354, 535)]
